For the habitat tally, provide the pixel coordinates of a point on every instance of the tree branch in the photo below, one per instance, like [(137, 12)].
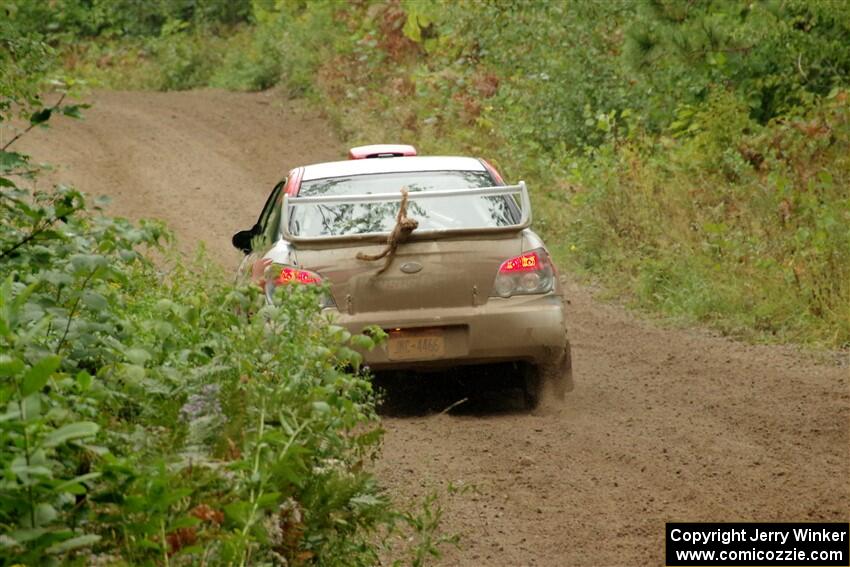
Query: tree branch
[(32, 125), (31, 236)]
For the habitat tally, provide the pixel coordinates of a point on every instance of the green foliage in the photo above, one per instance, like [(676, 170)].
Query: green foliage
[(72, 19), (252, 62), (776, 55), (306, 36), (24, 60), (153, 414), (538, 48), (737, 225), (184, 58), (155, 418)]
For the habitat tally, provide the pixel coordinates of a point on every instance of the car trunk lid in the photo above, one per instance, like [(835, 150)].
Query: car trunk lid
[(423, 274)]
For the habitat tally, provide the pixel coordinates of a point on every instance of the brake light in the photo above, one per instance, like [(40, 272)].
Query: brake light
[(381, 150), (269, 276), (526, 263), (294, 275), (528, 273)]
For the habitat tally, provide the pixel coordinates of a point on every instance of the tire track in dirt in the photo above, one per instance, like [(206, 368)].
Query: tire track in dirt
[(663, 425)]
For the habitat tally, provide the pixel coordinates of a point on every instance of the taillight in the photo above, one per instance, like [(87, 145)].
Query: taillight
[(275, 275), (528, 273), (294, 275)]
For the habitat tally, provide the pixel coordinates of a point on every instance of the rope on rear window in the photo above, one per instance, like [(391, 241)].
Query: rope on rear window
[(400, 233)]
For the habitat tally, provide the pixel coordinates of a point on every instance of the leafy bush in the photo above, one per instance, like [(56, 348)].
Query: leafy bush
[(185, 58), (252, 62), (70, 20), (734, 224), (152, 417), (152, 414), (778, 56)]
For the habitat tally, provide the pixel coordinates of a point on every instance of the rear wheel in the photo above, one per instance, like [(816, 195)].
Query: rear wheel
[(554, 378)]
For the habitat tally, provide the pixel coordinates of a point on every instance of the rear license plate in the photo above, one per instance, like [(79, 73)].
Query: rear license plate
[(416, 346)]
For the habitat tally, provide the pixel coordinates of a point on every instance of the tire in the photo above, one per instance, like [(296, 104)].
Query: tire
[(555, 378)]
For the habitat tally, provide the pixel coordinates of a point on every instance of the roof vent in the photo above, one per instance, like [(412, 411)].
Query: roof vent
[(381, 151)]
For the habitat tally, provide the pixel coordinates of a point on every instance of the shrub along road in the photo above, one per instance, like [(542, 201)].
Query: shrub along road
[(663, 424)]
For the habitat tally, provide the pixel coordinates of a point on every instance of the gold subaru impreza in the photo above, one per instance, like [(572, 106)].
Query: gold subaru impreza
[(436, 250)]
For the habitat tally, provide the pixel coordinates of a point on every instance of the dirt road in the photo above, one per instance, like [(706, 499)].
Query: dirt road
[(663, 425)]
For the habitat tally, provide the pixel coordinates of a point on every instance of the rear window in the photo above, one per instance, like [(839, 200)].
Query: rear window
[(439, 213)]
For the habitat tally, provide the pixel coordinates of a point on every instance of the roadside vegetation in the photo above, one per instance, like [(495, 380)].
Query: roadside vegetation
[(691, 156), (152, 414)]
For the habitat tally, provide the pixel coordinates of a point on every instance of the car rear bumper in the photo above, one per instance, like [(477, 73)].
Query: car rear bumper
[(521, 328)]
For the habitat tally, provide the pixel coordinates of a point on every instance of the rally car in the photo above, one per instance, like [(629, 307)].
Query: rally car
[(436, 250)]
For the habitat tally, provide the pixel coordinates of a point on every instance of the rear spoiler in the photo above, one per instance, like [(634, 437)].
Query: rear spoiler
[(518, 189)]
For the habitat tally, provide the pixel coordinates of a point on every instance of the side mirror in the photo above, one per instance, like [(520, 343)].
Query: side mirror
[(242, 240)]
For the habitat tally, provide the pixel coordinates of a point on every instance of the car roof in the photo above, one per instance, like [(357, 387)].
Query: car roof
[(390, 165)]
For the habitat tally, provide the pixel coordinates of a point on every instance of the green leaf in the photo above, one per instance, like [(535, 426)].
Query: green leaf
[(75, 489), (44, 514), (35, 379), (346, 355), (137, 356), (95, 301), (367, 501), (25, 472), (86, 263), (23, 536), (73, 110), (32, 408), (10, 366), (73, 543), (238, 512), (411, 28), (12, 160), (133, 373), (71, 431), (75, 484), (184, 522), (84, 380), (362, 342), (269, 499), (41, 116), (339, 333)]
